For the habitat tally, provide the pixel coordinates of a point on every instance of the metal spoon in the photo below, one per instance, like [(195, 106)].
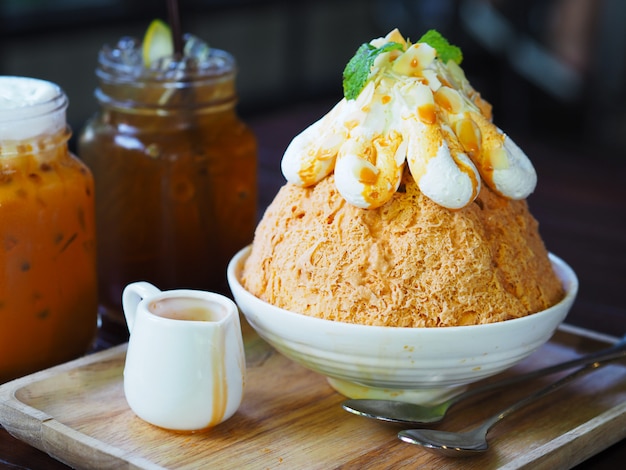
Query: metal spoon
[(462, 444), (410, 413)]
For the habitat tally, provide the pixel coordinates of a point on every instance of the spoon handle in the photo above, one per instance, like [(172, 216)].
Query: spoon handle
[(616, 351), (487, 425)]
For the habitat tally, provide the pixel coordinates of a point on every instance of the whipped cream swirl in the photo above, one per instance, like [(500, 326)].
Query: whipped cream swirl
[(416, 111)]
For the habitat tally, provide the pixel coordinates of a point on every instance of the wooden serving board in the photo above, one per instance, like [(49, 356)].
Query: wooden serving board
[(291, 418)]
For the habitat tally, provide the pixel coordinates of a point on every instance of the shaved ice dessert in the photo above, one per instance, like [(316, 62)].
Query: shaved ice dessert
[(404, 205)]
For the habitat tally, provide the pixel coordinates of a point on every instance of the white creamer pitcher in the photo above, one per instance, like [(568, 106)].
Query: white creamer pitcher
[(185, 365)]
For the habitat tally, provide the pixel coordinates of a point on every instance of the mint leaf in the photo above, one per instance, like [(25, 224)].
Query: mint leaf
[(445, 50), (357, 70)]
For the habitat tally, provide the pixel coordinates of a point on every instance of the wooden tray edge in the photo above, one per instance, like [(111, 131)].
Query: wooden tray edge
[(585, 333), (38, 429), (577, 445)]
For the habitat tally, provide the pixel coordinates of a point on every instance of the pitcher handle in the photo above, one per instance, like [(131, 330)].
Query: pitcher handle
[(132, 295)]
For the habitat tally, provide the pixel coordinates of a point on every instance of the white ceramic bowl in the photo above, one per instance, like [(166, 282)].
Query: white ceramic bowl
[(422, 365)]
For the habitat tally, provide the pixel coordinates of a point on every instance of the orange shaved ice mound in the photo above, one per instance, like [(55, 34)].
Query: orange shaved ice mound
[(408, 263)]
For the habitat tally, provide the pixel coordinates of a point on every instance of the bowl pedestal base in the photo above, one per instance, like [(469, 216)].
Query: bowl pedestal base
[(423, 396)]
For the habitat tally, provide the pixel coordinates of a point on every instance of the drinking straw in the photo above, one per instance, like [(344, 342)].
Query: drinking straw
[(174, 21)]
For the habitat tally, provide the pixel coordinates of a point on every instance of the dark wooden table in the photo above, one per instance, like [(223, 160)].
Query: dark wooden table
[(580, 203)]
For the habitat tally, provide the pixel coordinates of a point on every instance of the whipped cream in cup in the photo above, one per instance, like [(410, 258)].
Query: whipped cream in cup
[(29, 108)]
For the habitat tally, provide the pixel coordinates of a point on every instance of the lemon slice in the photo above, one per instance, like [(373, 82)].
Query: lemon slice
[(157, 42)]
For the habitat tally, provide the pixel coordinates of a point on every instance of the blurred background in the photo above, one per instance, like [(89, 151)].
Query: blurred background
[(553, 68)]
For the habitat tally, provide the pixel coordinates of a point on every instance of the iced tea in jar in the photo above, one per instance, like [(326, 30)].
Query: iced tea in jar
[(175, 170), (48, 288)]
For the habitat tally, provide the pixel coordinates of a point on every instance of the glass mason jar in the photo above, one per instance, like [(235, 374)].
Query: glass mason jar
[(48, 288), (175, 171)]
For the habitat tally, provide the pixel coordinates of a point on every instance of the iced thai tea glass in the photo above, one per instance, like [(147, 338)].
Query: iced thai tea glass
[(175, 171), (48, 285)]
